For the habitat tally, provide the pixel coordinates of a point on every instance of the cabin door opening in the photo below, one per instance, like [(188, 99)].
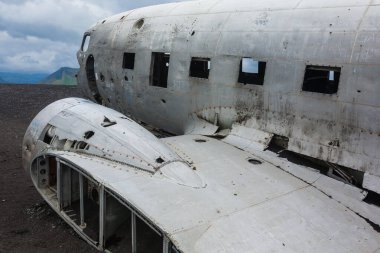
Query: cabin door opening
[(91, 79)]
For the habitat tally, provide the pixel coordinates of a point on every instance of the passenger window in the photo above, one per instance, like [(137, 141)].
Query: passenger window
[(129, 61), (321, 79), (160, 68), (200, 67), (85, 42), (147, 240), (251, 71)]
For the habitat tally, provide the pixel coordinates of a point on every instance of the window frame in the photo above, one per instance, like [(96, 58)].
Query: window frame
[(257, 79), (162, 56), (126, 64), (202, 59), (84, 42), (327, 68), (103, 191)]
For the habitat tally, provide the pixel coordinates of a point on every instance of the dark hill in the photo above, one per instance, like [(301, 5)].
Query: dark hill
[(63, 76)]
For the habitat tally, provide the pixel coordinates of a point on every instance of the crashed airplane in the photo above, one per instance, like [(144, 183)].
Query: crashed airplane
[(269, 117)]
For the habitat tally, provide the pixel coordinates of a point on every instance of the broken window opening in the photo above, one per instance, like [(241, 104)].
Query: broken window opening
[(58, 143), (85, 42), (47, 138), (83, 201), (118, 232), (127, 231), (252, 71), (48, 134), (200, 67), (321, 79), (80, 201), (70, 193), (160, 68), (81, 145), (129, 61), (52, 180), (147, 240)]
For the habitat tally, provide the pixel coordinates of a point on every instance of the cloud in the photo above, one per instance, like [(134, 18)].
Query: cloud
[(33, 54), (43, 35), (50, 19)]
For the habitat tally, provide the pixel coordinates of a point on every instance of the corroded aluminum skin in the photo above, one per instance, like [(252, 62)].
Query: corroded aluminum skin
[(207, 196), (125, 142), (288, 35)]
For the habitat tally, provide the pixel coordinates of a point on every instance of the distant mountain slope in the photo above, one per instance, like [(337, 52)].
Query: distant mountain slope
[(21, 77), (63, 76)]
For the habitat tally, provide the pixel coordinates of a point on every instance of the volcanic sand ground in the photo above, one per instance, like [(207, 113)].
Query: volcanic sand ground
[(27, 223)]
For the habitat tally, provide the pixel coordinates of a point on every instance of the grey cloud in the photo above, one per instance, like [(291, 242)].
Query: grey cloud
[(43, 35)]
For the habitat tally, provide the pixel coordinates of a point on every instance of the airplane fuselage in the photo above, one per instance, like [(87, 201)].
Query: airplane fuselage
[(314, 75)]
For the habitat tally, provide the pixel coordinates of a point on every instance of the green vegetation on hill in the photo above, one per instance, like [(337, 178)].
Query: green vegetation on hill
[(63, 76)]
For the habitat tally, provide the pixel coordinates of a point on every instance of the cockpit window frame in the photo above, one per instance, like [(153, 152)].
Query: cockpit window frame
[(85, 43), (103, 191)]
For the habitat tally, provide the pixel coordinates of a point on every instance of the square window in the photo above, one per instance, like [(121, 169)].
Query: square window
[(251, 71), (160, 68), (321, 79), (200, 67), (129, 61)]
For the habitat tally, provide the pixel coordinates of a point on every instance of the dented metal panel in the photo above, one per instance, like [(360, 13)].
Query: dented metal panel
[(248, 139), (88, 128), (288, 35), (237, 197), (241, 197)]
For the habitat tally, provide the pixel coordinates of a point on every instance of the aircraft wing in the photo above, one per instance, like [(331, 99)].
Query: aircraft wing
[(206, 194)]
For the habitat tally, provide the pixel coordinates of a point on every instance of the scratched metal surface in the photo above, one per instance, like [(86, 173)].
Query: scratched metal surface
[(288, 35), (241, 207), (206, 196)]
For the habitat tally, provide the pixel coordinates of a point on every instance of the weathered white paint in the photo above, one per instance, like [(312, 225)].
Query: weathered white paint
[(205, 195), (288, 35), (210, 198), (371, 182)]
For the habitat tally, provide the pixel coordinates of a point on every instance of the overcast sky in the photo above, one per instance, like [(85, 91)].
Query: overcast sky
[(44, 35)]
